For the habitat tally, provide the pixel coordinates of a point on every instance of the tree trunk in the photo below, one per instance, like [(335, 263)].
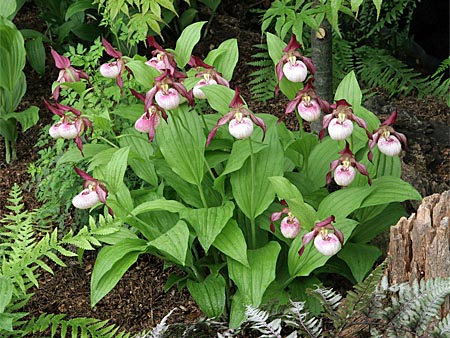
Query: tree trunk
[(321, 54)]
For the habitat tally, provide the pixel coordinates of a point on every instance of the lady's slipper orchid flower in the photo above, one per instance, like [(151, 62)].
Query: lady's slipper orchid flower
[(388, 140), (162, 59), (326, 243), (240, 120), (113, 70), (208, 74), (93, 192), (343, 168), (340, 122), (308, 104), (151, 119), (290, 225), (167, 91), (69, 127), (290, 66), (67, 73)]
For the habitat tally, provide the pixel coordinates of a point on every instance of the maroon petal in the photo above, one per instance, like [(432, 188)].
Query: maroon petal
[(54, 109), (325, 222), (110, 49), (402, 138), (222, 121), (260, 123), (61, 61), (293, 44), (137, 95), (363, 170), (237, 100), (339, 235), (182, 90), (391, 119), (101, 192), (84, 175), (290, 107), (309, 64)]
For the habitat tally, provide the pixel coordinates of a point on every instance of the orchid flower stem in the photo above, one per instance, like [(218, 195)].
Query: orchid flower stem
[(203, 119), (252, 202), (107, 141)]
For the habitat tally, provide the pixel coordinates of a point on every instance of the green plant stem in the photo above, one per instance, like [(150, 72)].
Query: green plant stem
[(107, 141), (252, 202), (8, 151), (202, 195)]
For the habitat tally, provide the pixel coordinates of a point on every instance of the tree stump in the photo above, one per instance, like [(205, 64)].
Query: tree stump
[(419, 246)]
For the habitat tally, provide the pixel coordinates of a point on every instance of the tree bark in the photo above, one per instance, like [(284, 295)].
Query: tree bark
[(420, 245), (321, 54)]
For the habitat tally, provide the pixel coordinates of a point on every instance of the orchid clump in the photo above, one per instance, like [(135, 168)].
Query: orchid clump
[(208, 75), (114, 69), (240, 120), (162, 60), (67, 73)]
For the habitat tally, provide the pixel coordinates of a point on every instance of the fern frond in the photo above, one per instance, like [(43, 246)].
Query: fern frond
[(259, 319), (343, 57), (76, 327), (442, 329), (263, 83), (377, 68), (299, 318)]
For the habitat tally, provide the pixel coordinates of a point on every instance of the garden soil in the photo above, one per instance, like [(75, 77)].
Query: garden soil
[(139, 301)]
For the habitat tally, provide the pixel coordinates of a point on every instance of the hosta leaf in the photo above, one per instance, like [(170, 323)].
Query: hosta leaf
[(209, 295), (27, 118), (208, 222)]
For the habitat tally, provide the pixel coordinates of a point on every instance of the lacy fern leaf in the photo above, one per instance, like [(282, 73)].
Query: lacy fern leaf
[(263, 81)]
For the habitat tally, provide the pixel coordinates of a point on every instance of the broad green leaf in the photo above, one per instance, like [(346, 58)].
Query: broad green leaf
[(253, 281), (6, 321), (319, 161), (312, 259), (7, 8), (174, 242), (9, 100), (27, 118), (129, 111), (387, 189), (159, 205), (219, 97), (232, 243), (237, 312), (208, 222), (140, 152), (209, 295), (144, 74), (36, 54), (275, 46), (12, 54), (342, 203), (116, 169), (349, 90), (239, 154), (6, 291), (224, 58), (8, 129), (79, 7), (182, 142), (186, 43), (89, 150), (288, 192), (360, 258), (111, 264), (372, 227), (250, 189)]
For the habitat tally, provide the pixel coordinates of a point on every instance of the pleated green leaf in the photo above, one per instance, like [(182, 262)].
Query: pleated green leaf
[(186, 43), (360, 258), (349, 90), (116, 169), (111, 264), (159, 205), (250, 189), (208, 222), (224, 58), (342, 203), (174, 242), (219, 97), (182, 142), (253, 281), (231, 242), (387, 189), (209, 295)]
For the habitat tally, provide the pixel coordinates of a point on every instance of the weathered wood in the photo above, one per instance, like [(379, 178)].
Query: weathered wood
[(419, 246)]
